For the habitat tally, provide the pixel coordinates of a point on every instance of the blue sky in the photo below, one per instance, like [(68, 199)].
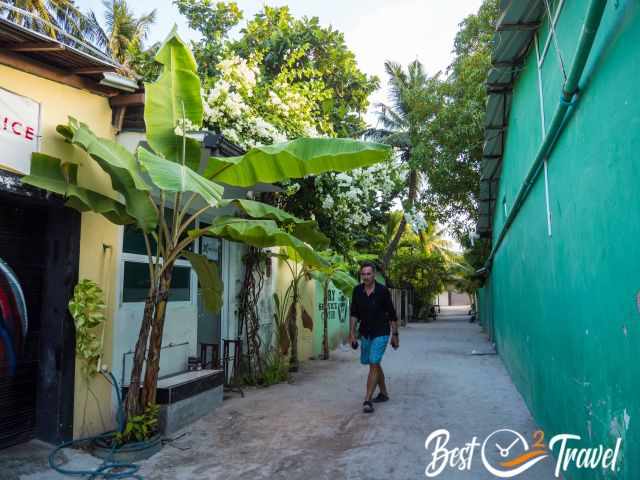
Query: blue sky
[(376, 30)]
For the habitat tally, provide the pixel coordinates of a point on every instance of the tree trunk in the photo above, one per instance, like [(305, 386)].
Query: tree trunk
[(391, 248), (133, 404), (293, 330), (325, 317), (155, 342)]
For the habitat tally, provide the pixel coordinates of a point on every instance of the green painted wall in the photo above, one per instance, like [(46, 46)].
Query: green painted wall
[(338, 325), (563, 309)]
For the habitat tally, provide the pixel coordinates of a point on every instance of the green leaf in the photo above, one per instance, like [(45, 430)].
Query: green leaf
[(336, 272), (305, 230), (48, 174), (174, 177), (295, 159), (344, 282), (121, 166), (107, 151), (262, 234), (174, 96), (209, 278)]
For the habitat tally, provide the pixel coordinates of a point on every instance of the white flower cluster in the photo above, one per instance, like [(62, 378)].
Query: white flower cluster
[(416, 220), (239, 109), (184, 125), (227, 105), (238, 71), (348, 198)]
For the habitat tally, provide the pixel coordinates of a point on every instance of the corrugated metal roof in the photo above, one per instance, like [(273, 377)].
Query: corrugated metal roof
[(64, 52), (515, 29)]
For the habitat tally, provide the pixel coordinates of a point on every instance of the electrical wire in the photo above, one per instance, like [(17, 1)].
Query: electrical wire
[(555, 39)]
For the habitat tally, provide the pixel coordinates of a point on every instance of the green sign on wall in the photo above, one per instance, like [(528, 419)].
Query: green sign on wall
[(338, 318)]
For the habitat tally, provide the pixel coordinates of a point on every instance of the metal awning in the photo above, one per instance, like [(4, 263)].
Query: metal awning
[(515, 29), (63, 52)]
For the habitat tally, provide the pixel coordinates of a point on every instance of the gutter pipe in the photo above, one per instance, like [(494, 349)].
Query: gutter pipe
[(568, 98)]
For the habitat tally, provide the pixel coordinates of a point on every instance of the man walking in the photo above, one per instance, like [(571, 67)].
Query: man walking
[(371, 305)]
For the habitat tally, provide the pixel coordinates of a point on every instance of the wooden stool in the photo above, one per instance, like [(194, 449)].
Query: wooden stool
[(215, 355), (229, 359)]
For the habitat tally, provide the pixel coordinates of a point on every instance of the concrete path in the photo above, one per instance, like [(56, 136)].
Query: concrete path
[(314, 429)]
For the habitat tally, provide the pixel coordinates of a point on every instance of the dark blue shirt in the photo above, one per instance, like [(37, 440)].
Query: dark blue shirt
[(374, 311)]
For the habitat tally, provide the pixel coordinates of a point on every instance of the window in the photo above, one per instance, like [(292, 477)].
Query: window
[(135, 278), (135, 283)]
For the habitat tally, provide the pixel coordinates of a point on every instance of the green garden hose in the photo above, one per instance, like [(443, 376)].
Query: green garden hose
[(109, 469)]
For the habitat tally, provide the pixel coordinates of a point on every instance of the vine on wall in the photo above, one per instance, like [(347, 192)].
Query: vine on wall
[(87, 308), (255, 262)]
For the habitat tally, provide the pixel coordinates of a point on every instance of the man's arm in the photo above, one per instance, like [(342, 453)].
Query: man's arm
[(393, 320), (352, 329), (353, 317)]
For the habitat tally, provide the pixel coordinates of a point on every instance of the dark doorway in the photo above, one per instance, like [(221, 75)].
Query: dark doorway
[(39, 250), (209, 324)]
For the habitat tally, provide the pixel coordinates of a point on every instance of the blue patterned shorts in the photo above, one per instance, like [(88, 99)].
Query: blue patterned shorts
[(372, 349)]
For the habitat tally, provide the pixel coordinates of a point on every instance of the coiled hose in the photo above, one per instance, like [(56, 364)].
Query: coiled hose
[(109, 469)]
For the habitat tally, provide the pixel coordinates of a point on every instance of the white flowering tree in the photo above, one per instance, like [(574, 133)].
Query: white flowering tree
[(353, 201), (250, 111)]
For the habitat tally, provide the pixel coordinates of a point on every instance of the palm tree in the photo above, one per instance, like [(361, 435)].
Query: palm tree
[(399, 125), (428, 240), (125, 31), (49, 15), (432, 240), (392, 226)]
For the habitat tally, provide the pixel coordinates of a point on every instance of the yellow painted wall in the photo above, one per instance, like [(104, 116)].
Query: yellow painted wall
[(308, 294), (96, 263)]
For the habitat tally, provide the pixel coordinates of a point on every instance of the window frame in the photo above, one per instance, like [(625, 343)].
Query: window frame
[(139, 258)]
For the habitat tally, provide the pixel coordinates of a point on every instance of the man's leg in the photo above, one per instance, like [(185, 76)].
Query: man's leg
[(381, 383), (372, 380), (378, 346)]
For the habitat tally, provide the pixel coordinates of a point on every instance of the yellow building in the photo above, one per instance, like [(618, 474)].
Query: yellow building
[(44, 246)]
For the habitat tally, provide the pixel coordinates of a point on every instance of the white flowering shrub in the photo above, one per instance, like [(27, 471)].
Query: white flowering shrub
[(250, 112), (348, 198)]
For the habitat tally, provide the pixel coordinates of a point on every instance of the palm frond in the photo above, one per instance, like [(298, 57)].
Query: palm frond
[(391, 119), (376, 134)]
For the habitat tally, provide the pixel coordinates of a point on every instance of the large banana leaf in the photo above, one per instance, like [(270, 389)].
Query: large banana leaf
[(209, 278), (173, 97), (306, 230), (295, 159), (47, 173), (175, 177), (121, 166), (262, 234)]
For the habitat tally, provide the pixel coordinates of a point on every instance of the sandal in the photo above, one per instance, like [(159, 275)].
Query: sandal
[(380, 398), (367, 407)]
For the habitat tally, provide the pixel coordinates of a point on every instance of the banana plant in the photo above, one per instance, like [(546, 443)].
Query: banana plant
[(291, 302), (331, 269), (167, 174)]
